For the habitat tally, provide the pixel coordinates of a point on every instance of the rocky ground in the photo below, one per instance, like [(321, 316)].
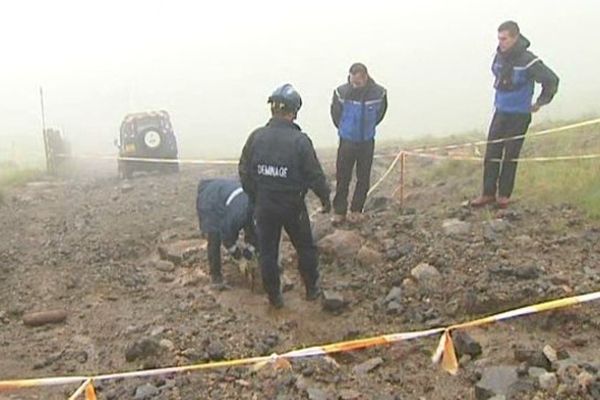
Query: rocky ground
[(124, 264)]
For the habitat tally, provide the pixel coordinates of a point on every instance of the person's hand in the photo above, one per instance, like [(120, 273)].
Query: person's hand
[(235, 252), (535, 107), (326, 209)]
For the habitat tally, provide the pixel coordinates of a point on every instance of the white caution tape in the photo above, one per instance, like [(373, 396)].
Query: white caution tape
[(526, 159), (152, 160), (445, 352), (532, 134), (386, 173)]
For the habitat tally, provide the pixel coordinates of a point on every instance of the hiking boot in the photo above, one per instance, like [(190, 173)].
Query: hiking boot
[(482, 201), (220, 287), (218, 283), (503, 202), (276, 300), (313, 293), (216, 279)]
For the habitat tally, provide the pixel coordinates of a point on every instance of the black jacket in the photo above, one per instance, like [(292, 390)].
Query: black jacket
[(279, 157)]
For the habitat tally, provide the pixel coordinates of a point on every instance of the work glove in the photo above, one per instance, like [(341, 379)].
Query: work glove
[(235, 252), (247, 254)]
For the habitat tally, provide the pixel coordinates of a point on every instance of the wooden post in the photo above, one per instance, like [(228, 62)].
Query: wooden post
[(402, 169), (49, 167)]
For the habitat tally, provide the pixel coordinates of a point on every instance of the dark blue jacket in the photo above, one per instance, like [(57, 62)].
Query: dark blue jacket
[(516, 72), (357, 111), (223, 208)]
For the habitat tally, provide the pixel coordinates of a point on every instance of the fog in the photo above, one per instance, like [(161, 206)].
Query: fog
[(212, 65)]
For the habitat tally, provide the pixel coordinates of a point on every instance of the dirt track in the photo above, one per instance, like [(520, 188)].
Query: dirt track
[(88, 244)]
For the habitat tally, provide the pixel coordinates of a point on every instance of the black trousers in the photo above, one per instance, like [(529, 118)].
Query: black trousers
[(350, 154), (274, 212), (499, 177), (213, 248)]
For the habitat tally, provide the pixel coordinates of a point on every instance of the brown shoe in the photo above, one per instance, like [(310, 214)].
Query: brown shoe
[(482, 201), (503, 202)]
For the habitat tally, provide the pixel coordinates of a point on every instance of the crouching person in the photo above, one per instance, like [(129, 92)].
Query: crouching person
[(223, 211)]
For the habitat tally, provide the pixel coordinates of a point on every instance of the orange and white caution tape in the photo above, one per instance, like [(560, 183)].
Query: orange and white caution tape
[(88, 388), (445, 353), (532, 134), (525, 159), (181, 160), (386, 173), (449, 361), (151, 160)]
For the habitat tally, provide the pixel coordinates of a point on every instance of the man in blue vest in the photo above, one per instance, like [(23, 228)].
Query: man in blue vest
[(223, 211), (516, 71), (357, 108)]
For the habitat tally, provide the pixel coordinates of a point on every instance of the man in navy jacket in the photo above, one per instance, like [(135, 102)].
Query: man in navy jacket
[(516, 70), (223, 211), (356, 109)]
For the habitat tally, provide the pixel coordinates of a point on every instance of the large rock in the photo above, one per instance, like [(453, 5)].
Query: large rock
[(215, 351), (548, 381), (180, 251), (427, 275), (536, 372), (368, 257), (518, 272), (333, 301), (393, 301), (550, 353), (45, 317), (456, 227), (162, 265), (321, 226), (496, 381), (145, 392), (533, 358), (367, 366), (142, 349), (341, 245), (395, 294), (396, 253), (349, 394), (315, 393), (465, 344)]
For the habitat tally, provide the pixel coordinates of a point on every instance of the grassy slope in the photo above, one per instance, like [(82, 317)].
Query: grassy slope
[(575, 182), (15, 176)]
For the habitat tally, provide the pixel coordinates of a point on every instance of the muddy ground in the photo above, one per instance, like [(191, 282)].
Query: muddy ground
[(89, 244)]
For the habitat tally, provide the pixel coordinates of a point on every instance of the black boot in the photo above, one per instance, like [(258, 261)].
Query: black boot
[(313, 292), (216, 279), (276, 300)]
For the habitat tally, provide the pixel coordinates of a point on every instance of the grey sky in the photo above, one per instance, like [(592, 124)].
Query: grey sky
[(212, 66)]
